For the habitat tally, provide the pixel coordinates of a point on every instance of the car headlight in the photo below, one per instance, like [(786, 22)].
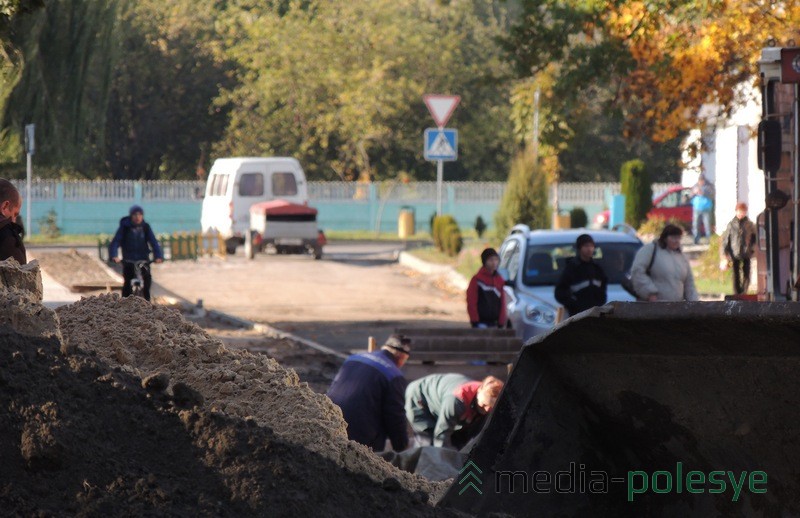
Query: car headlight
[(540, 314)]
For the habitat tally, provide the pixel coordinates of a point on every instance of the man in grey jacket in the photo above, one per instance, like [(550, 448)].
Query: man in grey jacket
[(739, 244), (660, 272)]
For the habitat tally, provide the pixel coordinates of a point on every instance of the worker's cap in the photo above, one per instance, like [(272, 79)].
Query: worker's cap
[(582, 240), (486, 254), (400, 343), (134, 209)]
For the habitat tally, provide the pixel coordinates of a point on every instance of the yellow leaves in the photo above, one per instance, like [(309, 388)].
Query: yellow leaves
[(695, 54)]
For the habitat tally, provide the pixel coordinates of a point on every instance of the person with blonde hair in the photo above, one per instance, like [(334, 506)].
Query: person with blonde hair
[(447, 410)]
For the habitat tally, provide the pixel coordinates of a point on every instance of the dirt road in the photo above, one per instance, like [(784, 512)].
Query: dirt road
[(356, 291)]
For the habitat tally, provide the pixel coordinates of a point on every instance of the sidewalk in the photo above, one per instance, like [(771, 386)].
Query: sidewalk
[(54, 294)]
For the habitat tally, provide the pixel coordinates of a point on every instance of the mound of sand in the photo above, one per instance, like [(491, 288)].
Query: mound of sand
[(143, 340), (97, 422), (78, 437)]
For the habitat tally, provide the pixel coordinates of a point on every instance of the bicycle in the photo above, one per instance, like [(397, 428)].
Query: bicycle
[(137, 283)]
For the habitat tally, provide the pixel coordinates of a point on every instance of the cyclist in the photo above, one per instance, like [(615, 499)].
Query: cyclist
[(136, 239)]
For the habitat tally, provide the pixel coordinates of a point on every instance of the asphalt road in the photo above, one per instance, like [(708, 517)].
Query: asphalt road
[(357, 290)]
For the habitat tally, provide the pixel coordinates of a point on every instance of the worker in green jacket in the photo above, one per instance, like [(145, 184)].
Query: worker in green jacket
[(447, 410)]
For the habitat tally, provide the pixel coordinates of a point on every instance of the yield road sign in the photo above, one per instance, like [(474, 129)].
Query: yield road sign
[(441, 107), (441, 144)]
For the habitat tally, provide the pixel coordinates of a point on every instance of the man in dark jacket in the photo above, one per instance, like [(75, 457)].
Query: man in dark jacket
[(583, 283), (739, 245), (11, 232), (486, 300), (136, 239), (370, 389)]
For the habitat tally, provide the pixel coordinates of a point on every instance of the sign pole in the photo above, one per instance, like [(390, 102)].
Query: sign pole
[(28, 197), (439, 178), (444, 145), (30, 147)]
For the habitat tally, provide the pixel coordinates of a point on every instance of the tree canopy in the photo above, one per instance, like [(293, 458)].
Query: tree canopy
[(154, 89)]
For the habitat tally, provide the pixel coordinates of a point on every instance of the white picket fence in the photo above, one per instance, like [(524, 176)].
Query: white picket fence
[(571, 194), (593, 193)]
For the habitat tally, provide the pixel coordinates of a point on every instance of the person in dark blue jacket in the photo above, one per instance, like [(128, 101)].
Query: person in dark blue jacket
[(136, 240), (370, 390)]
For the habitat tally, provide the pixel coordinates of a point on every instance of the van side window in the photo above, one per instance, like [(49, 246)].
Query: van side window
[(251, 184), (212, 181), (284, 184)]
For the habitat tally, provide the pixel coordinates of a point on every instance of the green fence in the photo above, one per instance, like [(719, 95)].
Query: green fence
[(179, 246)]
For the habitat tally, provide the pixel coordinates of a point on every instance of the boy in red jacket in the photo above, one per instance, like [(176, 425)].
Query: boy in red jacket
[(486, 300)]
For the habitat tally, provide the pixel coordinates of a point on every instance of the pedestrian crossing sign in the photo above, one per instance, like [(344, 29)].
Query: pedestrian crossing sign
[(441, 144)]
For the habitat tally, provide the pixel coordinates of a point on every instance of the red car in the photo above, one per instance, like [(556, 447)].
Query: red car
[(674, 203)]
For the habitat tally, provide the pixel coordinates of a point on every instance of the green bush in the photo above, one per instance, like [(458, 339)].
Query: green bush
[(526, 199), (48, 225), (578, 218), (452, 241), (654, 226), (440, 223), (480, 227), (638, 192)]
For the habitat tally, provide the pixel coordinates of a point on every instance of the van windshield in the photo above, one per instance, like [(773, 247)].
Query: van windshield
[(544, 264)]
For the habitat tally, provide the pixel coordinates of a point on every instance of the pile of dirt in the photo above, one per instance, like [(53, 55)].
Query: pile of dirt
[(79, 437), (78, 271), (26, 278), (313, 367), (144, 340)]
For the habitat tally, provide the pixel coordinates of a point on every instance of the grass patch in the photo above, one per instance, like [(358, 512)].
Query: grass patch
[(707, 276), (468, 261), (366, 235), (715, 286), (369, 235)]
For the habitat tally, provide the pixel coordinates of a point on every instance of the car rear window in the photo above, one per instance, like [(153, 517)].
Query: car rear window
[(284, 184), (544, 264), (251, 184)]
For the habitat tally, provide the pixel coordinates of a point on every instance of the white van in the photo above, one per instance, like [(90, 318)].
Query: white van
[(234, 184)]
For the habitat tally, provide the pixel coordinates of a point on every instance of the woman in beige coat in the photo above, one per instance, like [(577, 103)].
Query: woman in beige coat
[(660, 272)]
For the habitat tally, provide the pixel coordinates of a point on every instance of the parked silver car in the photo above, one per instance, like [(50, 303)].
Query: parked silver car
[(532, 263)]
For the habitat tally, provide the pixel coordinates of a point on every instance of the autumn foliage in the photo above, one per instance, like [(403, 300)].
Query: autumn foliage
[(692, 54)]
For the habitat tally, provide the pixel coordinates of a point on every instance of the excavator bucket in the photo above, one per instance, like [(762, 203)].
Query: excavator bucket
[(667, 409)]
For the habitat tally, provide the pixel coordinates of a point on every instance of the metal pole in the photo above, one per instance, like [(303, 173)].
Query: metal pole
[(536, 126), (28, 229), (794, 294), (439, 178)]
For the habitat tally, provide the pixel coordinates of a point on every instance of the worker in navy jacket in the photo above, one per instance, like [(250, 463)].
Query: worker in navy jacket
[(136, 239), (486, 303), (583, 284), (370, 390)]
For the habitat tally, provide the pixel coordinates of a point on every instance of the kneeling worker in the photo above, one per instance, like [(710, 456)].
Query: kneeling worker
[(369, 388), (449, 409)]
